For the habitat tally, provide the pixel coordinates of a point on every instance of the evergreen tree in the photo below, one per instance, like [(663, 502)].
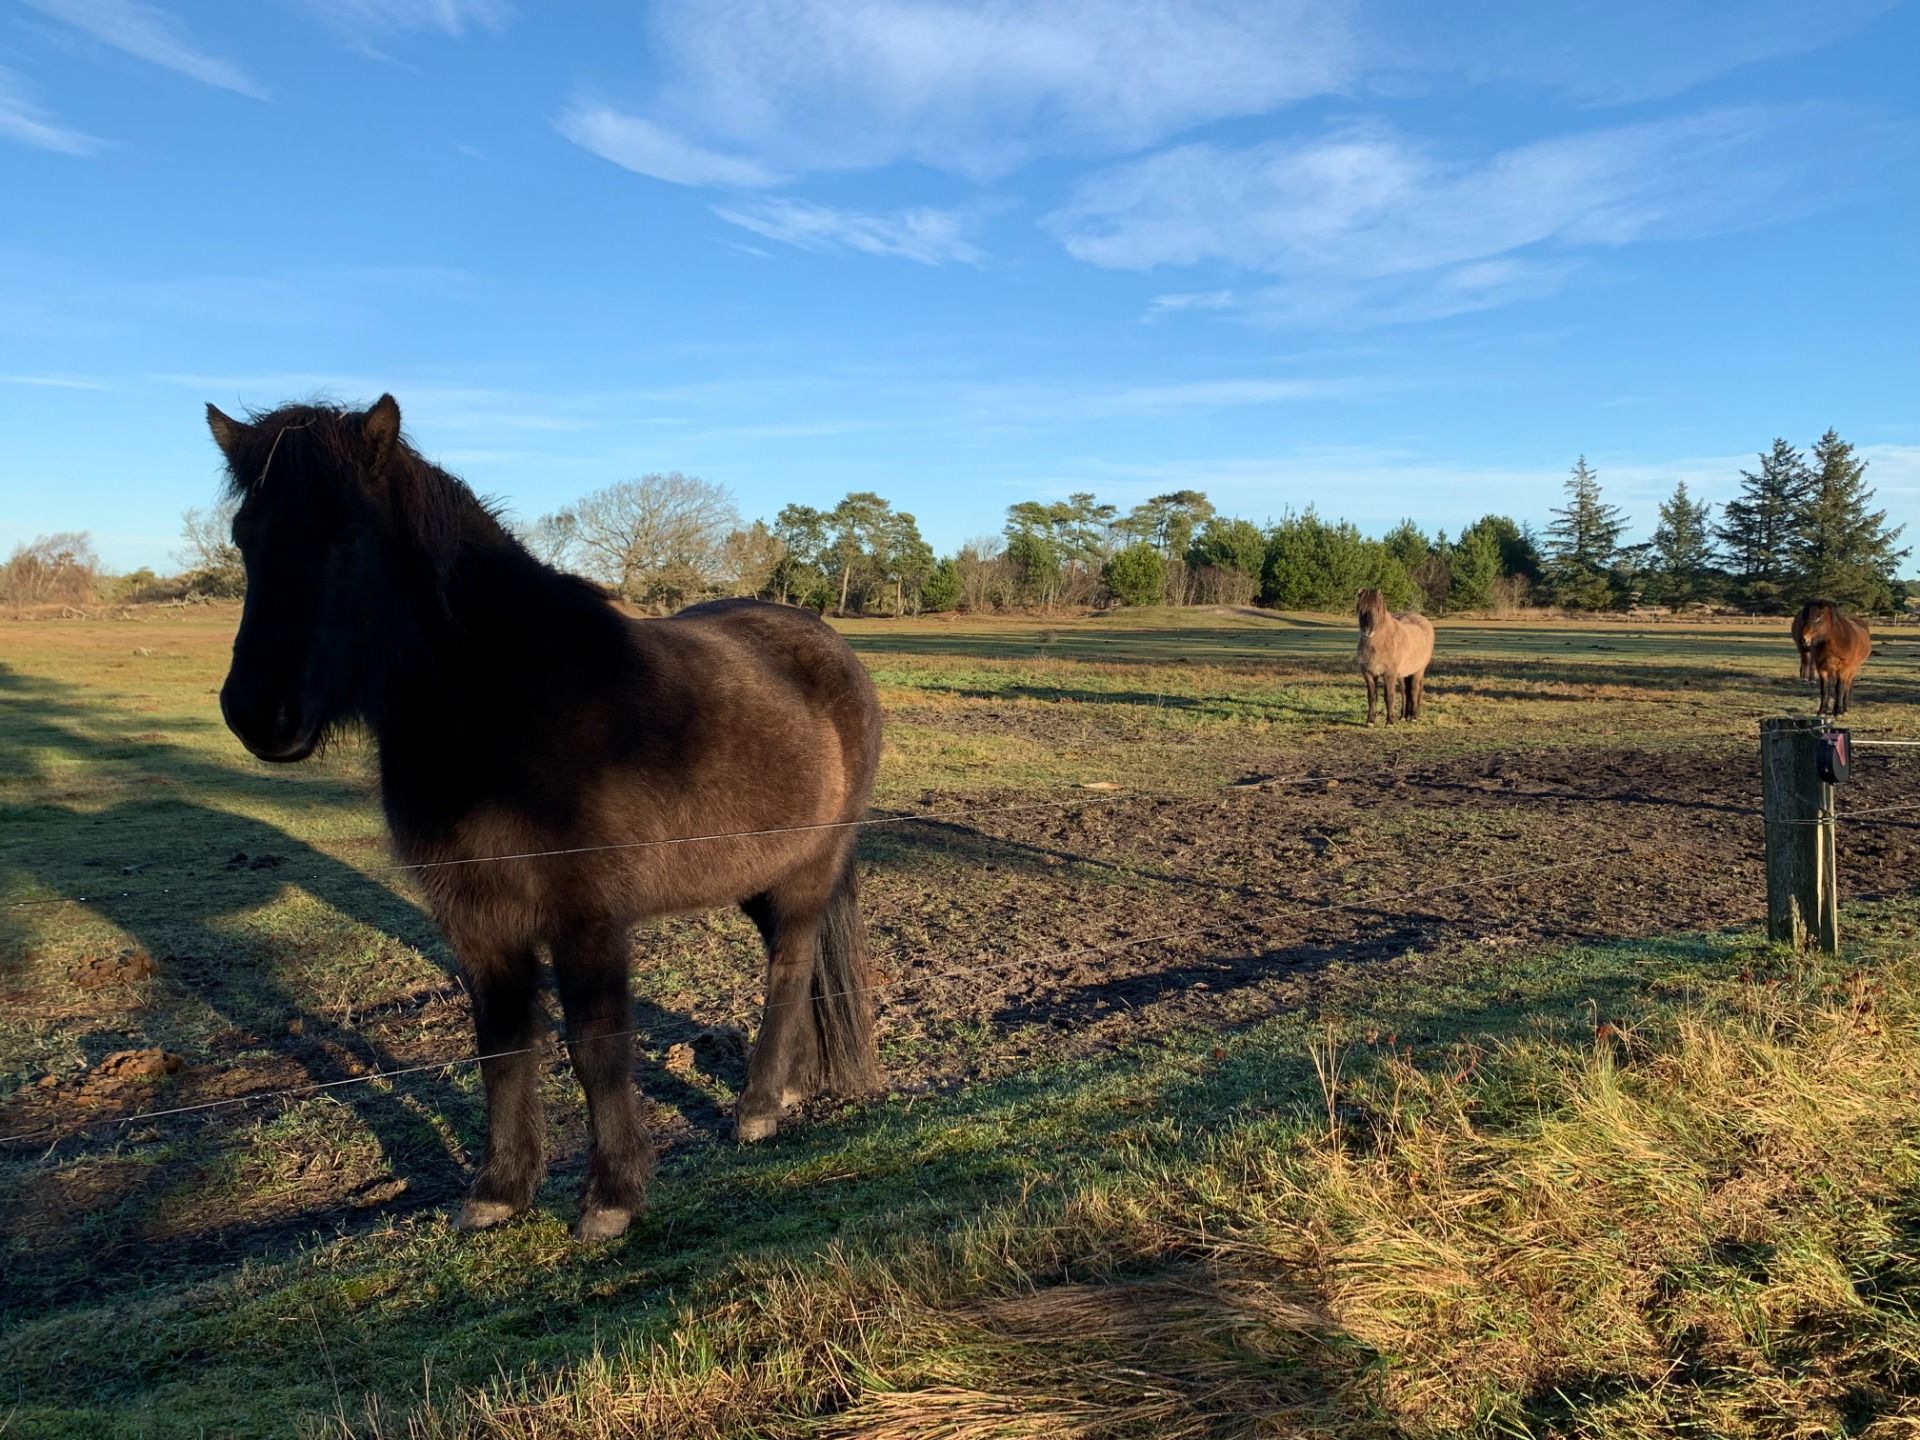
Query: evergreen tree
[(1519, 555), (1841, 550), (1756, 527), (942, 590), (1681, 558), (1584, 544), (1235, 545), (1475, 566), (1136, 575), (1407, 543), (1168, 521)]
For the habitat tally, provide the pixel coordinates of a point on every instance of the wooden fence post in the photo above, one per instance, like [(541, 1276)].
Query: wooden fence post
[(1803, 902)]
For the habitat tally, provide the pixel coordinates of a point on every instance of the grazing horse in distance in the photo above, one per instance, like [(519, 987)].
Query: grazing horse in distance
[(1833, 647), (557, 772), (1394, 653)]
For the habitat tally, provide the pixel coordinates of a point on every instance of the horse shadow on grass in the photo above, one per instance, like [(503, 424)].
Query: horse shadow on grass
[(147, 846), (898, 1179)]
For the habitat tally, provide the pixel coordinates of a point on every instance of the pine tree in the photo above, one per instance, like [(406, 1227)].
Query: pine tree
[(1475, 567), (1681, 558), (1842, 550), (1756, 528), (1583, 543)]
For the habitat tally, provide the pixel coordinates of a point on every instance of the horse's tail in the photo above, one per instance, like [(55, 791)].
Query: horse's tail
[(843, 993)]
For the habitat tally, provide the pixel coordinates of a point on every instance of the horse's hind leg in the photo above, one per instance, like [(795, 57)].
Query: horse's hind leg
[(590, 969), (785, 1065), (504, 985)]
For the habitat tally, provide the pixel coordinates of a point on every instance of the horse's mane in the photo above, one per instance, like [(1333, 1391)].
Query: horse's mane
[(306, 449)]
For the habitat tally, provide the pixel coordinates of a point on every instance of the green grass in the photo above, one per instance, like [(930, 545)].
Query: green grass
[(1647, 1188)]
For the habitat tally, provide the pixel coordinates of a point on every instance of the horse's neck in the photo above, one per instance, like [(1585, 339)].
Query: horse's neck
[(489, 669)]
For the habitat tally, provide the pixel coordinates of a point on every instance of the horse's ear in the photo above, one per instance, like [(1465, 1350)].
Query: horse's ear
[(380, 430), (227, 431)]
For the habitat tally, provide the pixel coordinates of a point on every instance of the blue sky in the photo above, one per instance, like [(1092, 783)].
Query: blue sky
[(1391, 258)]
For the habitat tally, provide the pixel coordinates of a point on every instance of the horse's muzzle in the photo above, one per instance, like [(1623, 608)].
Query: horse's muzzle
[(273, 729)]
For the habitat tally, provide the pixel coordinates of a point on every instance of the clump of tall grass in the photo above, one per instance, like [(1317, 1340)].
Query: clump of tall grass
[(1707, 1224)]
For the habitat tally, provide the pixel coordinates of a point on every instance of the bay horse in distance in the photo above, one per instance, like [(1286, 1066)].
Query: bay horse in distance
[(1393, 655), (1833, 646), (517, 714)]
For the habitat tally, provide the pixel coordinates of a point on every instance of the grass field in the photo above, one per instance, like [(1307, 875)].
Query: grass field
[(1269, 1074)]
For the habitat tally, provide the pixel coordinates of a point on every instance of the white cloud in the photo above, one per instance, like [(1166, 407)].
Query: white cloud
[(648, 149), (1182, 303), (149, 33), (978, 88), (1603, 54), (450, 17), (54, 382), (1368, 222), (930, 236), (23, 120)]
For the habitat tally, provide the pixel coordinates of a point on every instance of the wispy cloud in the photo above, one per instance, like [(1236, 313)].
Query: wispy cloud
[(54, 382), (790, 86), (1368, 223), (649, 149), (358, 18), (1187, 302), (149, 33), (22, 119), (930, 236), (1603, 54)]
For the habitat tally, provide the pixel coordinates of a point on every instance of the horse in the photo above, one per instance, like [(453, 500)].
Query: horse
[(558, 772), (1833, 646), (1394, 653)]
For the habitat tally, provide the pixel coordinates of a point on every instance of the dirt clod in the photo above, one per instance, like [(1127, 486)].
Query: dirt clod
[(139, 1064), (121, 969)]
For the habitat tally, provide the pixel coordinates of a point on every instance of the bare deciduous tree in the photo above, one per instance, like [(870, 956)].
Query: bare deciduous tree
[(59, 568), (749, 558), (207, 552), (554, 539), (658, 541)]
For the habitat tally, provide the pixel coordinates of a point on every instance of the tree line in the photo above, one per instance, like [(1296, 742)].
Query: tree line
[(1802, 523)]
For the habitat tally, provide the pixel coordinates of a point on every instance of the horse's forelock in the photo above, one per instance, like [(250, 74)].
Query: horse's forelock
[(305, 451)]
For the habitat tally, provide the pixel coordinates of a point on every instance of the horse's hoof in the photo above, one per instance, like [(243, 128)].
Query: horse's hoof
[(485, 1214), (751, 1129), (600, 1224)]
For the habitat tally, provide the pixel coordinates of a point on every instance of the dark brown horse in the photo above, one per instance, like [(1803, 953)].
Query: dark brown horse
[(518, 714), (1833, 646)]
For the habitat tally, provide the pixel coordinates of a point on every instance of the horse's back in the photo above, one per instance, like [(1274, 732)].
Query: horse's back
[(1845, 645), (1419, 632), (778, 657), (1857, 642)]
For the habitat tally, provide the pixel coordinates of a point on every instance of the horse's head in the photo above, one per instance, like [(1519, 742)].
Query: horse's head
[(330, 530), (1812, 625), (1371, 607)]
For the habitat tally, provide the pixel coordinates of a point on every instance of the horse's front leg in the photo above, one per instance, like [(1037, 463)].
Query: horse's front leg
[(590, 968), (1389, 684), (1372, 684), (1823, 694), (505, 984)]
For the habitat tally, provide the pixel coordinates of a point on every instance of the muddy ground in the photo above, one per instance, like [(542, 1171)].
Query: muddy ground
[(1000, 943)]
